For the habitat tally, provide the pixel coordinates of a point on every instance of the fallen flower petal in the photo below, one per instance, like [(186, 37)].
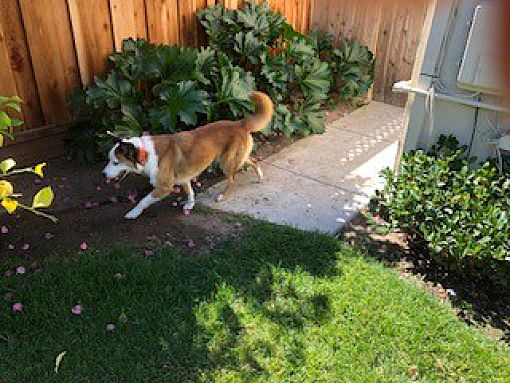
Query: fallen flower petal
[(17, 307), (49, 236), (9, 273), (21, 270), (174, 203), (110, 327), (186, 212), (77, 310), (83, 246), (10, 246), (4, 230), (25, 246)]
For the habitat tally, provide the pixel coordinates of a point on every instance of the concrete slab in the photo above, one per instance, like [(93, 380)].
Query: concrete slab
[(319, 182)]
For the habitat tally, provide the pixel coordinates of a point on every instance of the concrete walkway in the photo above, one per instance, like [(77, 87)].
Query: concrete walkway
[(320, 182)]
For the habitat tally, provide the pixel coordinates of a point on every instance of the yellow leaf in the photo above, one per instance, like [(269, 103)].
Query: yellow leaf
[(1, 140), (58, 360), (6, 189), (43, 198), (38, 169), (7, 165), (10, 205)]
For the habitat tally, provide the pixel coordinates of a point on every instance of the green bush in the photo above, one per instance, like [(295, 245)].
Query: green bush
[(352, 65), (166, 89), (462, 214)]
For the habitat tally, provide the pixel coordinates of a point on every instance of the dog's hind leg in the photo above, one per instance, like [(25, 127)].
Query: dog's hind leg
[(251, 162), (228, 189)]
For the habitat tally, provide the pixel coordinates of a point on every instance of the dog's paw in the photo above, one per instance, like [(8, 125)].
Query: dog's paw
[(220, 197), (189, 205), (133, 214)]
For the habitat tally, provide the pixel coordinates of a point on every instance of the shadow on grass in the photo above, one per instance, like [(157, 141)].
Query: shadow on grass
[(174, 313), (477, 299)]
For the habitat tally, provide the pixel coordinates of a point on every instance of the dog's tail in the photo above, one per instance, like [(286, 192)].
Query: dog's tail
[(263, 112)]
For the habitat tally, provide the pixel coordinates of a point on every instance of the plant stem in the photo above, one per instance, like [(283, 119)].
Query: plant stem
[(17, 171), (39, 213)]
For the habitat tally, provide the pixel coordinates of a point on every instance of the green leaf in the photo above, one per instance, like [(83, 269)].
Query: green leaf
[(7, 165), (182, 102), (43, 198)]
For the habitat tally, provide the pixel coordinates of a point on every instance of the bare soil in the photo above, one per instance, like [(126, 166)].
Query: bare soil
[(90, 211)]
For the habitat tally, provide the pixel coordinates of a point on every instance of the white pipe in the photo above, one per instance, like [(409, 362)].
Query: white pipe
[(405, 87)]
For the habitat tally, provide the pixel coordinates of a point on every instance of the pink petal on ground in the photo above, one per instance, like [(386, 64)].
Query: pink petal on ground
[(77, 310), (148, 253), (84, 246), (191, 244), (198, 184), (110, 327), (174, 203), (25, 246), (117, 185), (21, 270), (186, 212), (88, 205), (8, 296), (49, 236), (98, 188), (108, 181), (10, 246), (9, 273), (113, 199), (17, 307), (4, 230)]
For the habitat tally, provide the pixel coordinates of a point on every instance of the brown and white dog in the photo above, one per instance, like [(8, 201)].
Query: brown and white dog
[(176, 159)]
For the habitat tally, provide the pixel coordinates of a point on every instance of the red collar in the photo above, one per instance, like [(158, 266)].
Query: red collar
[(142, 154)]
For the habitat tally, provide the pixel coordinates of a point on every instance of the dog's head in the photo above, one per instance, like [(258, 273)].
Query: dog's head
[(124, 157)]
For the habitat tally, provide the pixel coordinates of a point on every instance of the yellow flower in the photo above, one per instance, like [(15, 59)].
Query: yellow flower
[(38, 169), (6, 189), (10, 205)]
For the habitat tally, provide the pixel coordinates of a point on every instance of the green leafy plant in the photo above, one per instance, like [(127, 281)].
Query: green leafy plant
[(284, 62), (352, 65), (460, 213), (166, 89), (9, 199)]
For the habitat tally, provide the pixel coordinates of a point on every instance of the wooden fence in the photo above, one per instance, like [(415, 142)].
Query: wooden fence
[(48, 48), (391, 29)]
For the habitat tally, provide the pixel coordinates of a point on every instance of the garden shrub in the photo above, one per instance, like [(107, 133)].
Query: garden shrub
[(9, 199), (462, 214), (352, 65), (166, 89)]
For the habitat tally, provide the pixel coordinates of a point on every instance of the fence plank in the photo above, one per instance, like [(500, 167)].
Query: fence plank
[(128, 20), (391, 29), (92, 30), (53, 56), (163, 21), (20, 64), (188, 23), (7, 82)]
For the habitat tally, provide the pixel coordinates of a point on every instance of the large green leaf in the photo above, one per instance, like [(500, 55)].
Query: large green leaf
[(181, 102), (314, 79), (112, 92)]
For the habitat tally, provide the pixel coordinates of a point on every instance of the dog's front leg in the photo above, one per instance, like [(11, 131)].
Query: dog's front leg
[(154, 196), (190, 203)]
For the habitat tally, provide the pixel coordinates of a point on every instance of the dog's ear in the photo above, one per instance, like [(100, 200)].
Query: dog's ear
[(116, 138), (129, 151)]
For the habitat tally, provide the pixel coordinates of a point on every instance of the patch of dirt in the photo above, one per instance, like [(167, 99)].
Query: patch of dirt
[(91, 211), (476, 301)]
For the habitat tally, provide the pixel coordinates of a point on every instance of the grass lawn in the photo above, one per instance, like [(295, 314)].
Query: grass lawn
[(279, 305)]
